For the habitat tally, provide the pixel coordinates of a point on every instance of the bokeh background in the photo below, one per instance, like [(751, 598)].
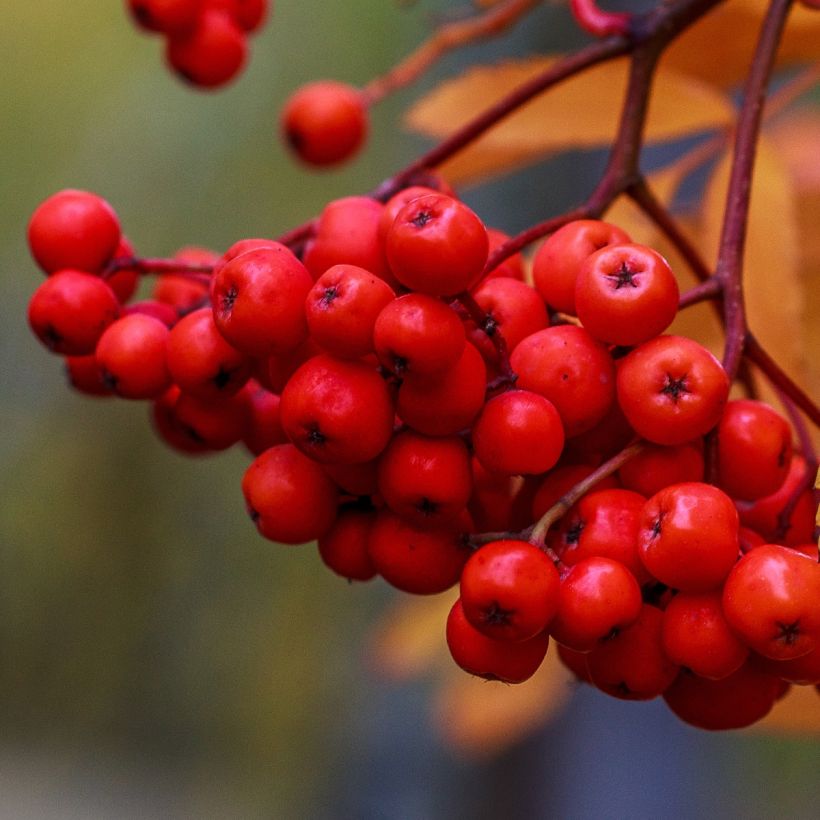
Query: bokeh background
[(157, 657)]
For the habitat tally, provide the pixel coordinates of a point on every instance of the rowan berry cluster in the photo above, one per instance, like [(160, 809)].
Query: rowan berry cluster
[(414, 410), (207, 39)]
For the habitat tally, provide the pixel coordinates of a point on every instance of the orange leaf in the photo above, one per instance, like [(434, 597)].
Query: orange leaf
[(481, 718), (574, 114)]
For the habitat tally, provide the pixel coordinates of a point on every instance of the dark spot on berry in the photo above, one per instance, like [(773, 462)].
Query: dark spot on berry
[(399, 365), (51, 337), (254, 514), (565, 377), (143, 16), (315, 437), (489, 326), (108, 379), (427, 507), (295, 138), (227, 302), (788, 633), (421, 218), (613, 633), (328, 296), (622, 689), (623, 277), (194, 434), (656, 526), (573, 534), (781, 458), (222, 378), (675, 388), (496, 615)]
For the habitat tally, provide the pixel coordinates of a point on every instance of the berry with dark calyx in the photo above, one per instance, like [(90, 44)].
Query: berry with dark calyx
[(397, 202), (626, 294), (770, 600), (215, 424), (754, 449), (342, 307), (259, 301), (73, 229), (344, 547), (559, 259), (418, 335), (509, 590), (85, 377), (325, 122), (337, 411), (688, 536), (507, 661), (212, 53), (518, 432), (288, 496), (70, 311), (179, 436), (426, 481), (419, 560), (437, 245), (598, 598), (131, 355), (672, 389)]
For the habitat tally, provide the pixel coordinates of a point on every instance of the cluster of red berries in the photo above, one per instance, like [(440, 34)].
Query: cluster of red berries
[(401, 399), (207, 39)]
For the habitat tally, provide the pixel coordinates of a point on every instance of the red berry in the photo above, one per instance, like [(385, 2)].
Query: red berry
[(344, 547), (85, 377), (264, 427), (165, 16), (325, 122), (656, 467)]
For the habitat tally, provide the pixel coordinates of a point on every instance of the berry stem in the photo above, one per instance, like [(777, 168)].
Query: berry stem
[(158, 266), (562, 506), (706, 290)]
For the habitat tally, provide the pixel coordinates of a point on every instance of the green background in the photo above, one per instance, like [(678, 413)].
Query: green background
[(157, 657)]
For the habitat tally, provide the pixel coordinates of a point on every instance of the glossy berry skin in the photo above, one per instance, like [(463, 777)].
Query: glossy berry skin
[(337, 411), (397, 202), (437, 245), (165, 16), (509, 590), (259, 301), (426, 481), (342, 307), (567, 366), (626, 294), (344, 547), (418, 335), (418, 560), (73, 229), (70, 310), (688, 536), (632, 665), (697, 636), (288, 496), (325, 122), (770, 600), (558, 261), (754, 449), (656, 467), (733, 702), (201, 361), (508, 661), (599, 597), (447, 403), (211, 54), (518, 433), (85, 377), (131, 357), (672, 389)]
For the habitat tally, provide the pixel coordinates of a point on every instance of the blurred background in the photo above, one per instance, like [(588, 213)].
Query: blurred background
[(157, 657)]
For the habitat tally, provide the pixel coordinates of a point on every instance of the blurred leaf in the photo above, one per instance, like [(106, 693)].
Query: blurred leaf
[(575, 114), (718, 48), (481, 718), (772, 288), (410, 640), (798, 713)]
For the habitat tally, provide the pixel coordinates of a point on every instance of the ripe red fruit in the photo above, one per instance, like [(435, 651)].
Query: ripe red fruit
[(70, 310), (508, 661), (397, 202), (337, 411), (512, 267), (325, 122), (418, 560), (259, 301), (437, 245), (509, 590), (342, 308), (599, 597), (518, 432), (426, 481), (264, 425), (165, 16), (754, 449), (73, 229), (688, 536), (173, 431), (131, 357), (559, 259), (559, 481), (212, 53), (288, 496), (567, 366), (770, 600), (656, 467), (214, 424), (248, 14), (85, 377), (344, 547), (626, 294), (672, 389)]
